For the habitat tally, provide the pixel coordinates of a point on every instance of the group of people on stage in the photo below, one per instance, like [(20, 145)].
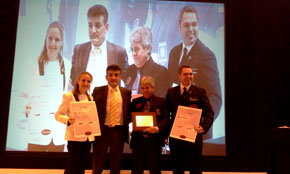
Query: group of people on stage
[(102, 65), (114, 108)]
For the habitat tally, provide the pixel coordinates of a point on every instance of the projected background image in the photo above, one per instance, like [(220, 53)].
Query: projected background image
[(35, 99)]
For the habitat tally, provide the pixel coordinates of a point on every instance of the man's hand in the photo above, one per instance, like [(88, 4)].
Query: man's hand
[(199, 129), (152, 130)]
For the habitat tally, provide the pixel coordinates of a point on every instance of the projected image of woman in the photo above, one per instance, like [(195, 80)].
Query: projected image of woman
[(48, 82)]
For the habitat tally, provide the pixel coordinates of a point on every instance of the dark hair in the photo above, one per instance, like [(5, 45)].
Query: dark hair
[(98, 10), (187, 9), (76, 89), (182, 67), (43, 55), (113, 68)]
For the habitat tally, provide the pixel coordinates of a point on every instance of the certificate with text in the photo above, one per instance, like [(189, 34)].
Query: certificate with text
[(185, 120), (86, 119)]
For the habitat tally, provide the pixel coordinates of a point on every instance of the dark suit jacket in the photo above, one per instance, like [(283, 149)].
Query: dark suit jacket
[(150, 68), (196, 98), (206, 74), (158, 106), (115, 55), (100, 95)]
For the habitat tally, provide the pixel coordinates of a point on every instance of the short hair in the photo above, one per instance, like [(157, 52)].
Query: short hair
[(113, 68), (142, 35), (187, 9), (147, 80), (76, 89), (182, 67), (98, 10)]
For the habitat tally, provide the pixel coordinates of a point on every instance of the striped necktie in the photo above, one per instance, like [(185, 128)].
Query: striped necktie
[(114, 116)]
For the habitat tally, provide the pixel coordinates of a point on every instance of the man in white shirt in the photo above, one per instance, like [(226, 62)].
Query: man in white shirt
[(113, 109), (96, 55)]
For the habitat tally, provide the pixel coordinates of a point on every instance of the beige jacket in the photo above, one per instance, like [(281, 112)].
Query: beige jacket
[(63, 114)]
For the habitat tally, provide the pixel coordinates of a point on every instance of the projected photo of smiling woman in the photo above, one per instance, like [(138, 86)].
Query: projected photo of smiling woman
[(41, 96)]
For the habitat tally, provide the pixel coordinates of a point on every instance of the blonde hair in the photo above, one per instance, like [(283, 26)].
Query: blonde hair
[(147, 80)]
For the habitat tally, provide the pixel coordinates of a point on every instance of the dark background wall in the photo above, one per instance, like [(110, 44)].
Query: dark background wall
[(257, 84)]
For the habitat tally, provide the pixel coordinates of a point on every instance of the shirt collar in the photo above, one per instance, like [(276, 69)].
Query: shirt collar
[(102, 47), (111, 88), (182, 86), (187, 47)]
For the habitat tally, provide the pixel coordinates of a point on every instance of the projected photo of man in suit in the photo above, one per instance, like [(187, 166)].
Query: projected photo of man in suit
[(141, 45), (96, 55)]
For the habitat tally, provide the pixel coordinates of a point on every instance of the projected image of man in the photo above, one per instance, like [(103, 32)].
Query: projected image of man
[(96, 55), (141, 44)]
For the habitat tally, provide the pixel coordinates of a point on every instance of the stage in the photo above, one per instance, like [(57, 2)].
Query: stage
[(60, 171)]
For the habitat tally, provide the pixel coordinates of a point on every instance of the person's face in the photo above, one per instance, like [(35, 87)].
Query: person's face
[(113, 78), (84, 83), (186, 76), (97, 30), (189, 28), (139, 54), (53, 43), (147, 90)]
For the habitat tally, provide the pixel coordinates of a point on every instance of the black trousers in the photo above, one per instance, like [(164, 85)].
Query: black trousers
[(78, 157), (186, 156), (112, 139), (146, 151)]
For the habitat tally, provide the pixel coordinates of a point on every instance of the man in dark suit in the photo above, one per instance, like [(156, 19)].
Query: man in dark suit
[(146, 145), (194, 53), (96, 55), (141, 42), (187, 155), (113, 109)]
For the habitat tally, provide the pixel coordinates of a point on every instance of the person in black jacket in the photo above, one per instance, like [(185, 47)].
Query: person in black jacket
[(187, 154), (199, 57), (146, 145), (141, 43)]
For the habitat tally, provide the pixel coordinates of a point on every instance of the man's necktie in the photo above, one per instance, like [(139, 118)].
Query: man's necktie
[(184, 94), (184, 60), (147, 106), (135, 86), (97, 51), (114, 108)]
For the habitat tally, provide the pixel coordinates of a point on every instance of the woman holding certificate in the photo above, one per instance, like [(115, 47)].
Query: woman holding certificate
[(146, 144), (78, 147)]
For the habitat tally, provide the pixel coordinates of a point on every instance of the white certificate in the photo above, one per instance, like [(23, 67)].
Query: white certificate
[(185, 120), (86, 119)]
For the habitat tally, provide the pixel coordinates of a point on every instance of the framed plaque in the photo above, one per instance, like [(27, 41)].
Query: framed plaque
[(143, 120)]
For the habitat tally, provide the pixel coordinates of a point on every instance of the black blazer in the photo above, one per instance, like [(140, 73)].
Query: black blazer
[(115, 55), (196, 98), (204, 65), (157, 105), (150, 68), (100, 95)]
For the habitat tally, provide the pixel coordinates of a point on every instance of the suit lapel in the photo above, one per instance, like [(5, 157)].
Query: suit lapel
[(124, 100), (104, 94), (177, 55), (85, 56), (193, 54), (177, 91), (111, 57)]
